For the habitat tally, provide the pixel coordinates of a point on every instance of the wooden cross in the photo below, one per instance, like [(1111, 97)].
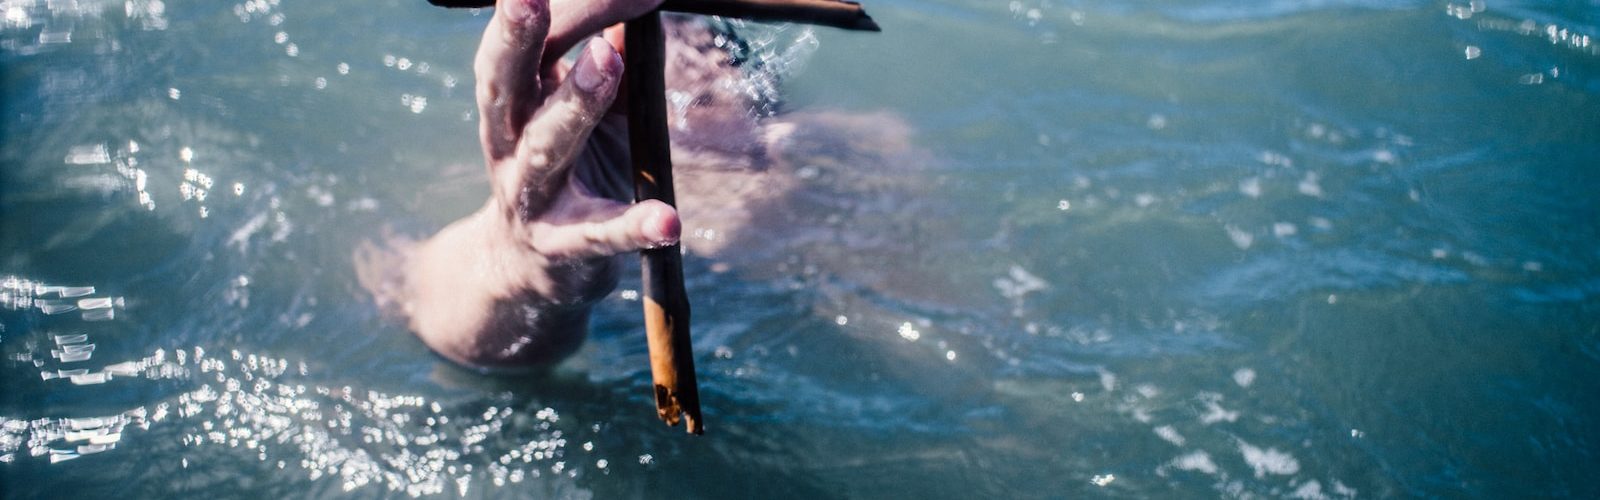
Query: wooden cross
[(666, 303)]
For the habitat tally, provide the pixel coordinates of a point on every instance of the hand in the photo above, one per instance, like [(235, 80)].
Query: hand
[(512, 284), (548, 174)]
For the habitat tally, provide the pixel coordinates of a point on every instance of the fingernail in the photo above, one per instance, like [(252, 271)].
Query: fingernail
[(660, 228), (603, 63)]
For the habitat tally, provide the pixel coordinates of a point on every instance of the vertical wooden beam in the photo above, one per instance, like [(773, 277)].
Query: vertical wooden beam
[(666, 303)]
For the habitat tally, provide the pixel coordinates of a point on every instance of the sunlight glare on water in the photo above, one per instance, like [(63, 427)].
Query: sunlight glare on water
[(246, 403)]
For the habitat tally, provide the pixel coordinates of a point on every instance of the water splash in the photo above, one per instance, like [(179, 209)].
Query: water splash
[(768, 54)]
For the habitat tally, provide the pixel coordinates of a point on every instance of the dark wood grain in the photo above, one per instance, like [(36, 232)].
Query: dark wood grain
[(666, 303)]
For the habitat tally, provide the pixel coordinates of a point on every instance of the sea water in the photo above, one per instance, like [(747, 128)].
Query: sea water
[(1145, 249)]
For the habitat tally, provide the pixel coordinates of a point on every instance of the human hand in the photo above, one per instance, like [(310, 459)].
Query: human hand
[(512, 283), (548, 173)]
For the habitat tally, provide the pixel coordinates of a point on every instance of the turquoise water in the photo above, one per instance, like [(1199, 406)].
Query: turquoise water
[(1171, 249)]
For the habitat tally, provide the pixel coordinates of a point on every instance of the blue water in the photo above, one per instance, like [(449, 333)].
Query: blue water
[(1132, 249)]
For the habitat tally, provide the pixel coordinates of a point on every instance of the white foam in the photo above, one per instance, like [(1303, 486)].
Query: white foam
[(1311, 490), (1244, 377), (1241, 238), (1170, 435), (1198, 461), (1269, 461), (1214, 410), (1251, 187)]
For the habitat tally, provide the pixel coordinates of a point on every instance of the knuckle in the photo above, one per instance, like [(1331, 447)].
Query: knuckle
[(579, 113), (538, 159), (594, 234), (523, 24)]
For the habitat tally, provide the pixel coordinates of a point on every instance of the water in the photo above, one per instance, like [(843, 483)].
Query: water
[(1320, 249)]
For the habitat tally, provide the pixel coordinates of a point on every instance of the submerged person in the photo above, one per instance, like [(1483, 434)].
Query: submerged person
[(512, 285)]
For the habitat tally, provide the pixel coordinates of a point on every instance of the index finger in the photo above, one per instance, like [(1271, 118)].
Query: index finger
[(507, 70)]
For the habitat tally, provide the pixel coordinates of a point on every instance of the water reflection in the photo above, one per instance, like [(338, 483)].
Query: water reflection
[(264, 406)]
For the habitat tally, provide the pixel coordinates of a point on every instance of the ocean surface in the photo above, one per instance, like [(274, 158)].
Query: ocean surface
[(1181, 249)]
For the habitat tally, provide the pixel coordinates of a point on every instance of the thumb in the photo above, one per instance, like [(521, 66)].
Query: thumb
[(619, 229)]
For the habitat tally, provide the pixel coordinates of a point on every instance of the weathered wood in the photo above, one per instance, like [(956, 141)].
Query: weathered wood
[(836, 13), (666, 303)]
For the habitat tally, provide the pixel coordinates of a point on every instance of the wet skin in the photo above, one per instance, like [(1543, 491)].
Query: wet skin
[(512, 284)]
